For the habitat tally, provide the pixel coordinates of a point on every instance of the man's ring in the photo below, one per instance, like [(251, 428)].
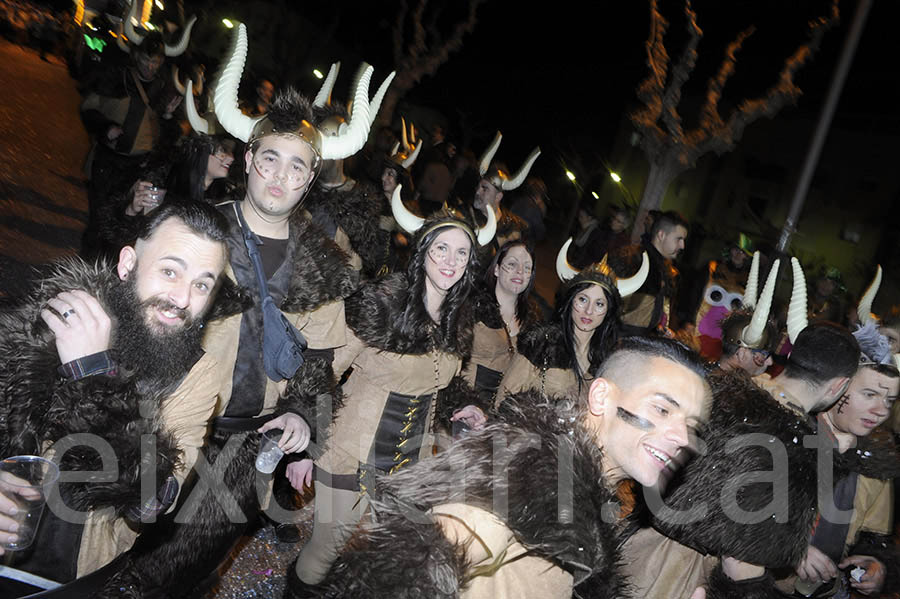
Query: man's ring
[(68, 313)]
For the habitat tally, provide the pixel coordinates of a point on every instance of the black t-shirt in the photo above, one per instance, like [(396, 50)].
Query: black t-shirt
[(272, 252)]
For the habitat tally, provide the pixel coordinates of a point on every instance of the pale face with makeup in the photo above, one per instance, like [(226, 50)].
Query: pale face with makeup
[(589, 308), (447, 258), (866, 404), (643, 423), (278, 171)]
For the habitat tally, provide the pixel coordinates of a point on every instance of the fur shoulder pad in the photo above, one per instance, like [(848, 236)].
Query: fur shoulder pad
[(544, 346)]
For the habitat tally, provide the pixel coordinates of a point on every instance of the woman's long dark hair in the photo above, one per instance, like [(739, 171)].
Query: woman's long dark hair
[(490, 278), (188, 175), (416, 313), (603, 338)]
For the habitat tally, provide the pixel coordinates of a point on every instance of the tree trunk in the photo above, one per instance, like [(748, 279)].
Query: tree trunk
[(658, 180)]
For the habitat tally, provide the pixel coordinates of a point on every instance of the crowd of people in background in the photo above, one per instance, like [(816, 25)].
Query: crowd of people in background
[(256, 265)]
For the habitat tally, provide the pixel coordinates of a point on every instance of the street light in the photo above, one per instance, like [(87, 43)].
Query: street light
[(571, 176), (318, 73), (227, 23), (159, 5), (615, 176), (594, 193)]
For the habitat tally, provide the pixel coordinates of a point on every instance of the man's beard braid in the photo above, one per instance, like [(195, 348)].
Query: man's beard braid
[(149, 348)]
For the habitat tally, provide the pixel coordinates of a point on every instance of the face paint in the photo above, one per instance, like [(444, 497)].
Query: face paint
[(842, 403), (634, 420)]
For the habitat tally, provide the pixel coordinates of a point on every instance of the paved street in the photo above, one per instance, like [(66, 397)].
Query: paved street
[(43, 201)]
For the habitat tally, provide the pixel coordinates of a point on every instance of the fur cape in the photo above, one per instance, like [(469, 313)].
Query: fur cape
[(544, 345), (748, 432), (663, 276), (395, 556), (357, 211), (37, 406), (487, 310), (376, 311)]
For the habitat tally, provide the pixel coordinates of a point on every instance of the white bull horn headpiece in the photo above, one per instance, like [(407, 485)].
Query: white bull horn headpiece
[(323, 98), (752, 288), (797, 311), (411, 223), (754, 333), (600, 273), (198, 123), (136, 38), (498, 178), (410, 152), (864, 309), (247, 129)]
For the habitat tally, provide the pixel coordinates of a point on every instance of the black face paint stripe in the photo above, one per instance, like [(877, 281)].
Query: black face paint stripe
[(843, 403), (634, 420)]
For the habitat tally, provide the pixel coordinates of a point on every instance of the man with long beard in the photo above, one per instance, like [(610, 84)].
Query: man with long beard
[(113, 356)]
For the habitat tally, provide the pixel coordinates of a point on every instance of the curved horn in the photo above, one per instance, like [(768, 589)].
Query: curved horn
[(323, 98), (412, 157), (633, 283), (133, 35), (375, 104), (797, 311), (750, 292), (395, 148), (178, 86), (864, 309), (403, 137), (753, 332), (354, 138), (519, 177), (485, 161), (564, 270), (408, 221), (412, 133), (179, 48), (198, 123), (487, 232), (225, 101)]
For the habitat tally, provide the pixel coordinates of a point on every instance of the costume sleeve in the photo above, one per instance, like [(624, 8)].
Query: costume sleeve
[(313, 394), (720, 586), (455, 396), (345, 355), (521, 375), (85, 366), (94, 120)]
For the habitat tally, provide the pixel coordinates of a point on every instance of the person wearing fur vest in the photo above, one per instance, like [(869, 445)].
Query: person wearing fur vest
[(408, 334), (527, 506), (112, 352)]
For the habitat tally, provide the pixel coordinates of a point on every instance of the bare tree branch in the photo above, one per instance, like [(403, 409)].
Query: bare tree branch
[(398, 32), (418, 45), (710, 118), (680, 74)]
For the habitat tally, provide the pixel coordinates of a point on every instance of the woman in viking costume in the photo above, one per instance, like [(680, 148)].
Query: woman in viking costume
[(561, 357), (408, 334), (503, 307)]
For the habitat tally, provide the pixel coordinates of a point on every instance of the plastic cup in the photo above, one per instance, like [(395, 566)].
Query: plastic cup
[(269, 453), (25, 480)]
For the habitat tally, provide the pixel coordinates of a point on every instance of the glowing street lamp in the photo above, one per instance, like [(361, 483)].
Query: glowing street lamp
[(159, 5), (227, 23), (615, 176), (318, 73), (594, 193), (571, 176)]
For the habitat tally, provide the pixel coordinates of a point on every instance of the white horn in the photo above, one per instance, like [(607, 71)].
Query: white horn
[(750, 292), (198, 123), (323, 98), (403, 137), (563, 269), (633, 283), (412, 133), (375, 104), (753, 332), (487, 232), (408, 221), (178, 86), (395, 148), (864, 310), (485, 162), (121, 40), (410, 160), (225, 99), (179, 48), (519, 177), (797, 311), (354, 138), (133, 35)]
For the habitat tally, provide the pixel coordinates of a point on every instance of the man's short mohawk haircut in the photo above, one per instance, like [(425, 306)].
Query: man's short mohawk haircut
[(288, 109)]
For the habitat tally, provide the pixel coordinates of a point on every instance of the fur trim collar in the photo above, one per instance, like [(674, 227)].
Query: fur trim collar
[(375, 313), (544, 346), (875, 456), (486, 310)]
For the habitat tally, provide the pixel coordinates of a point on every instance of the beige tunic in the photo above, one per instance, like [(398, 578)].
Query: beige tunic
[(489, 544), (376, 373), (185, 414), (491, 348), (323, 328), (522, 375)]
